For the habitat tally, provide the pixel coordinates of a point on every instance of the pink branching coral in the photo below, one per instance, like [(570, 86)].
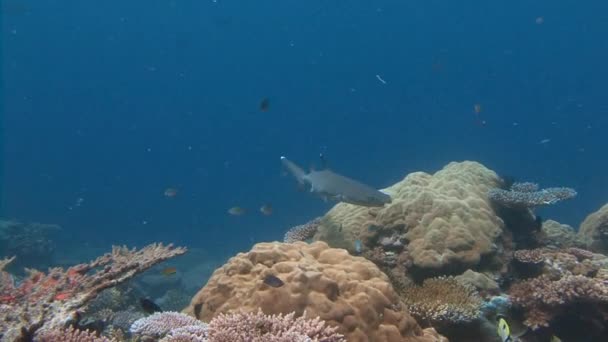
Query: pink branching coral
[(48, 301), (543, 298), (302, 232), (257, 327), (71, 335)]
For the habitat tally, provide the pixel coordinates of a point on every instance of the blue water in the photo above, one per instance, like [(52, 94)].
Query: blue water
[(115, 101)]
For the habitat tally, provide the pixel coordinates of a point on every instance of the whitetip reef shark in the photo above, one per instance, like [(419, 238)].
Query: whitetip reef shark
[(330, 185)]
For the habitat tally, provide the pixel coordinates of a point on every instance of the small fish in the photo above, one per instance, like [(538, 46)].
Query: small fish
[(503, 330), (539, 20), (273, 281), (149, 306), (544, 141), (265, 104), (169, 271), (477, 108), (236, 211), (170, 192), (266, 209), (358, 246)]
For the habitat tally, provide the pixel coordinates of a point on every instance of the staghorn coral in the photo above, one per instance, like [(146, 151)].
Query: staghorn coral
[(71, 335), (161, 323), (443, 300), (343, 290), (527, 195), (302, 232), (257, 327), (445, 220), (543, 298), (594, 230), (49, 301)]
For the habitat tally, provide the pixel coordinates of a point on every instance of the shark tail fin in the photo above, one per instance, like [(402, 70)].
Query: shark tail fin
[(295, 170)]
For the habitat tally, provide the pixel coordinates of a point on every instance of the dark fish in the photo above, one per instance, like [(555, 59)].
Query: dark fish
[(538, 222), (507, 182), (273, 281), (265, 104), (149, 306), (330, 185)]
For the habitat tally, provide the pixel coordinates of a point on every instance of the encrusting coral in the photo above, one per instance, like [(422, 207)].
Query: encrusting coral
[(444, 220), (345, 291), (53, 300), (594, 230)]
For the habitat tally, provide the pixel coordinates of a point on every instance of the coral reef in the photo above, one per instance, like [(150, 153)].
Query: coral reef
[(557, 235), (71, 335), (594, 230), (302, 232), (345, 291), (50, 301), (528, 195), (257, 327), (443, 300), (543, 298), (444, 221), (161, 323), (30, 243)]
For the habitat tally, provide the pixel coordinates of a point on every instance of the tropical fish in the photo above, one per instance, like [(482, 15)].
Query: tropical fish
[(169, 271), (149, 306), (273, 281), (358, 246), (266, 209), (236, 211), (170, 192), (503, 330), (265, 104), (330, 185)]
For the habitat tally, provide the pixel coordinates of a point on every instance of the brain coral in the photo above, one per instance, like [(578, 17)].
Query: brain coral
[(446, 218), (594, 230), (345, 291)]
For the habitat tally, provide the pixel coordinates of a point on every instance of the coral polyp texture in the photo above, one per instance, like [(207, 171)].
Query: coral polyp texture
[(71, 335), (528, 195), (594, 230), (302, 232), (345, 291), (50, 301), (443, 300), (444, 219), (161, 323)]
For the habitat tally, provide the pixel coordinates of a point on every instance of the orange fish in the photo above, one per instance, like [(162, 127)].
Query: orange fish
[(170, 192), (169, 271)]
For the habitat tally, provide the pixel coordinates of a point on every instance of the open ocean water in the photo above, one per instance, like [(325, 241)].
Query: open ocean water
[(129, 122)]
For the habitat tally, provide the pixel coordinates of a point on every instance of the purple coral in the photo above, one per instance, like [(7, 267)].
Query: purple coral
[(527, 195), (302, 232)]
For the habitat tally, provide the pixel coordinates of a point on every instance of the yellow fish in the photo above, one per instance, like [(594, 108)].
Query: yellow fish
[(236, 211), (169, 271), (503, 330)]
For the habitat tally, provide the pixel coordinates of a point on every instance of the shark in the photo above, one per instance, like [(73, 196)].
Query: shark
[(330, 185)]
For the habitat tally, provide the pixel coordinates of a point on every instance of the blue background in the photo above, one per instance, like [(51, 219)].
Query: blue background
[(115, 101)]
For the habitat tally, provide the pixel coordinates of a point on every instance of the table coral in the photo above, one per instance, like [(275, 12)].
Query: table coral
[(347, 292), (445, 219), (443, 300), (49, 301)]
